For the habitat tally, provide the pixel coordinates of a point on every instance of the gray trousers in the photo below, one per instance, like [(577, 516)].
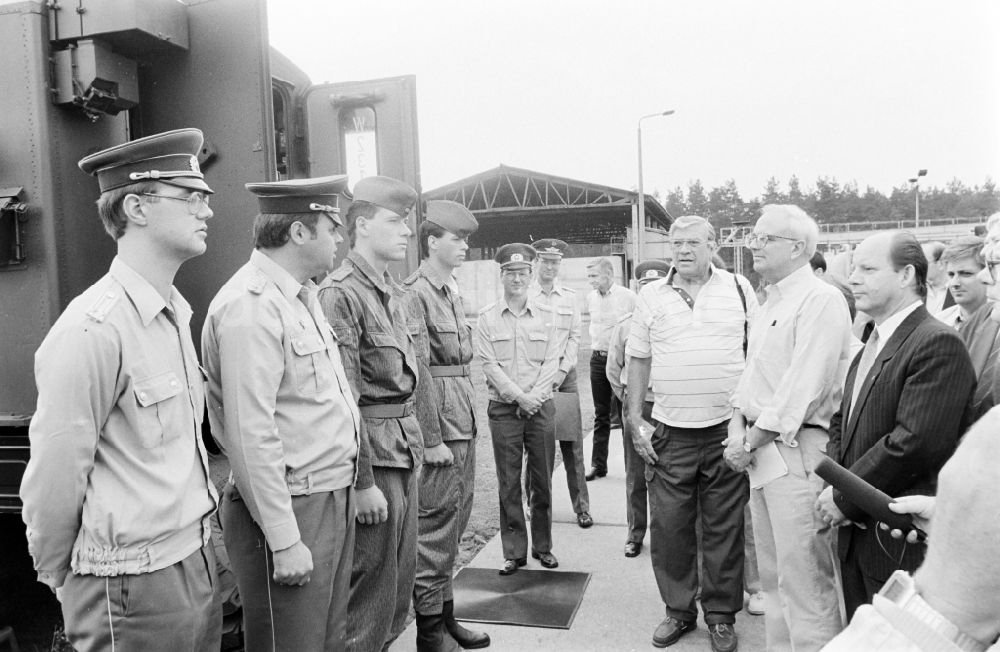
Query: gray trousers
[(511, 437), (690, 481), (445, 506), (281, 617), (174, 608), (385, 560), (636, 502)]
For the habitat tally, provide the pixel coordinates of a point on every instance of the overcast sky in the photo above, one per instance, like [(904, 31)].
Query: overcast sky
[(857, 90)]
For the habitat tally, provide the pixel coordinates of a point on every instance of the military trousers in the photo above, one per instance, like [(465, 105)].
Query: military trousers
[(445, 496), (689, 482), (174, 608), (282, 617), (385, 561), (512, 436)]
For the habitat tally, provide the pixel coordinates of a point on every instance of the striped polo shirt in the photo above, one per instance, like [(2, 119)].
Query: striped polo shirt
[(697, 352)]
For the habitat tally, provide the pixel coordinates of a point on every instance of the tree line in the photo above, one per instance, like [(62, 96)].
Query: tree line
[(829, 201)]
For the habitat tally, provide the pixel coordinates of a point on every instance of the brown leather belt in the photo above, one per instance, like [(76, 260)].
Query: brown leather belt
[(386, 410), (448, 370)]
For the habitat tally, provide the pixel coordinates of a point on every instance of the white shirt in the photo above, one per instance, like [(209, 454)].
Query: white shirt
[(889, 326), (697, 353), (935, 298), (952, 316), (800, 347), (605, 311)]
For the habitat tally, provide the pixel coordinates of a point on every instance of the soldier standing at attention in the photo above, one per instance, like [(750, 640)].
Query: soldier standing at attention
[(366, 308), (282, 411), (567, 318), (117, 496), (513, 340), (445, 491)]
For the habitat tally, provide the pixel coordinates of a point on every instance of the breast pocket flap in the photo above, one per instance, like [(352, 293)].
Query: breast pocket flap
[(160, 387), (445, 327), (307, 344)]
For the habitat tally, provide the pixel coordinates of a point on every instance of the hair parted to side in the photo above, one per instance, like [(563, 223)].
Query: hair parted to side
[(905, 250), (110, 210), (271, 230), (963, 247), (688, 221), (800, 225), (603, 265), (426, 230), (358, 209)]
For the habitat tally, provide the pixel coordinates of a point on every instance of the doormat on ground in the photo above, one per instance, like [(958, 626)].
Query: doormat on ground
[(529, 598)]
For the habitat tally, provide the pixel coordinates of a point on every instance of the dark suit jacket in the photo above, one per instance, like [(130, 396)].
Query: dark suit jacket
[(980, 336), (907, 423)]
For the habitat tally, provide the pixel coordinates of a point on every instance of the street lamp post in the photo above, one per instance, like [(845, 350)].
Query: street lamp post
[(916, 193), (641, 225)]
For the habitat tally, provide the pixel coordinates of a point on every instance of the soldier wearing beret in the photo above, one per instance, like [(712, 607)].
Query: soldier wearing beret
[(445, 491), (567, 318), (117, 497), (617, 371), (378, 344), (282, 410), (514, 338)]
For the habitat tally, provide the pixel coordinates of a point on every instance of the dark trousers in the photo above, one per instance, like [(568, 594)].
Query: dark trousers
[(385, 561), (512, 436), (282, 617), (691, 480), (636, 508), (174, 608), (605, 405), (859, 587), (572, 457), (445, 507)]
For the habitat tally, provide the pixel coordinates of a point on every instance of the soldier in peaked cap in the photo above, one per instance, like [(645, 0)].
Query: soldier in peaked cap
[(563, 301), (117, 496), (445, 491), (378, 344), (515, 338), (281, 408)]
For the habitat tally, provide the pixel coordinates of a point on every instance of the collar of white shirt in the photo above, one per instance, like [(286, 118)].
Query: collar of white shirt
[(889, 326)]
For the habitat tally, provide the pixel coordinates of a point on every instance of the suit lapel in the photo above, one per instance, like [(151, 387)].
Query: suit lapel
[(901, 334)]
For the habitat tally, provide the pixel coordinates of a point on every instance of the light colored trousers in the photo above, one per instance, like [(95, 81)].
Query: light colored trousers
[(795, 552)]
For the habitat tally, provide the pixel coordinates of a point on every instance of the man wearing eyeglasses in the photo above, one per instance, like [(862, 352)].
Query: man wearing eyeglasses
[(798, 349), (687, 335), (117, 497), (902, 409)]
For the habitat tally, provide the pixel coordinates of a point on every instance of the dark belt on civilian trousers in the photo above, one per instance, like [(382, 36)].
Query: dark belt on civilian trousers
[(804, 425), (386, 410), (448, 370)]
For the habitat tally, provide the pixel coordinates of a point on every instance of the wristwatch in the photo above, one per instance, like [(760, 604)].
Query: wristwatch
[(747, 447), (901, 591)]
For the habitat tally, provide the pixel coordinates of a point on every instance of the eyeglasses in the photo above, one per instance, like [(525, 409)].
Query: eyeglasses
[(693, 244), (761, 239), (991, 267), (195, 200)]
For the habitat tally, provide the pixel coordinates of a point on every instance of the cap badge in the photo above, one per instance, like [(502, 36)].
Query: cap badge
[(651, 273), (516, 258), (323, 208)]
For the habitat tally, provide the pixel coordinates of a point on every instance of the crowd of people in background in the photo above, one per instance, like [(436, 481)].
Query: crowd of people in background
[(347, 412)]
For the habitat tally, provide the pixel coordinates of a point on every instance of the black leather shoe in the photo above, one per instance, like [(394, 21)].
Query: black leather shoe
[(593, 474), (546, 559), (467, 638), (633, 548), (432, 635), (723, 637), (510, 566), (671, 630), (584, 520)]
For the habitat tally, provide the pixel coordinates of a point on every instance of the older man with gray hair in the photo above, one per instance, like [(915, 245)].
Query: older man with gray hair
[(689, 335), (798, 351)]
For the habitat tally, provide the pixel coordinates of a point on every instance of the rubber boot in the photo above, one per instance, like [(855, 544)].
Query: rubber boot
[(468, 639), (432, 635)]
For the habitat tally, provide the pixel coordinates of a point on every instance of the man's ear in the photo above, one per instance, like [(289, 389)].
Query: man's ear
[(135, 209), (296, 233)]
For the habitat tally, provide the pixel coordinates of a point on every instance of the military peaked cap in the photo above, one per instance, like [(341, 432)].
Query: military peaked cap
[(515, 254), (170, 157), (321, 194), (651, 270), (550, 247)]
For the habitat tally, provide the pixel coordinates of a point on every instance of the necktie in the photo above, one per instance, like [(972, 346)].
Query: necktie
[(867, 360)]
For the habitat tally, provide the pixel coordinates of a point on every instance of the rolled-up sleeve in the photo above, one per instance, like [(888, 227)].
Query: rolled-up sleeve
[(76, 372)]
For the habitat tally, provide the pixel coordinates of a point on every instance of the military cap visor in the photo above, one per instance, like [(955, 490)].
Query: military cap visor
[(451, 216), (651, 270), (388, 193), (170, 157), (550, 248), (516, 254), (316, 195)]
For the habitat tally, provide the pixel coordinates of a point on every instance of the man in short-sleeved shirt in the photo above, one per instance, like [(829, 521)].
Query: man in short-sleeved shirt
[(282, 411)]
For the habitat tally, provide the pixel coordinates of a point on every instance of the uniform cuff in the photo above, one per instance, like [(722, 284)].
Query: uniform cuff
[(282, 536)]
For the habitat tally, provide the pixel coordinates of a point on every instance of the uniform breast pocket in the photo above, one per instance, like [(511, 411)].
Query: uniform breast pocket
[(161, 414), (311, 375), (538, 344), (503, 346), (564, 319)]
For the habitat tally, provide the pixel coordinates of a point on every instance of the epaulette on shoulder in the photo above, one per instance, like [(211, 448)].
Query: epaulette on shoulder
[(341, 273), (486, 309), (99, 310), (257, 282), (567, 289), (412, 278)]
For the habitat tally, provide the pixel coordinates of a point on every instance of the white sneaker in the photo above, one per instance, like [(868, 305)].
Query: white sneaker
[(755, 605)]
